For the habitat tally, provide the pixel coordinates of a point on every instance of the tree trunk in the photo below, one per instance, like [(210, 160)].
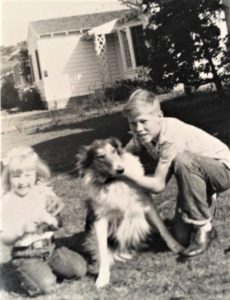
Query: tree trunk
[(188, 92), (217, 80), (216, 77)]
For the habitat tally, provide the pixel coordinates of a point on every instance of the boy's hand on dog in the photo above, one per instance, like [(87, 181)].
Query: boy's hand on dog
[(131, 173)]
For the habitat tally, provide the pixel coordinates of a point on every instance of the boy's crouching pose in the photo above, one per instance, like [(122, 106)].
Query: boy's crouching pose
[(199, 161)]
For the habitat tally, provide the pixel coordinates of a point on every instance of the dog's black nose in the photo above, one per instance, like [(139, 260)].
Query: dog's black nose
[(120, 170)]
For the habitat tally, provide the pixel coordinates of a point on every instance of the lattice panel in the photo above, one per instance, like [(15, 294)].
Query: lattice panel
[(101, 51)]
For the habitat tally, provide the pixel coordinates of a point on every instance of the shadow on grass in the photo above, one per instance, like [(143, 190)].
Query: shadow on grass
[(60, 152), (206, 113), (87, 123)]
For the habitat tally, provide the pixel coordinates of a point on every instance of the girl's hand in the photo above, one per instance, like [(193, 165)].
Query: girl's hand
[(30, 227), (47, 224), (54, 206), (11, 234), (50, 220)]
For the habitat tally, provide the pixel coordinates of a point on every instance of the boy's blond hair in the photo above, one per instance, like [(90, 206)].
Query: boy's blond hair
[(141, 100)]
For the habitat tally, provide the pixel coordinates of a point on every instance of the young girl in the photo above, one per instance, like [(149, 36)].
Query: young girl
[(30, 215)]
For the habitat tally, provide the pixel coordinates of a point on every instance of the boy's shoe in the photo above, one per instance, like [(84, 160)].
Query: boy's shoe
[(200, 242)]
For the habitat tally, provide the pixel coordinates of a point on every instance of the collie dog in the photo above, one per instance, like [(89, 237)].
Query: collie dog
[(119, 206)]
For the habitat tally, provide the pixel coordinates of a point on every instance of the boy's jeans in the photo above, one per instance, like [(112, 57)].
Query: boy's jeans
[(198, 178)]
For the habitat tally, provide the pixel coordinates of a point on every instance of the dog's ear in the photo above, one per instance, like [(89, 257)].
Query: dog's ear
[(116, 144), (84, 158)]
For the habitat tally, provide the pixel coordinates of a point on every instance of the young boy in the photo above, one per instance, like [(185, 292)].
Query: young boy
[(199, 162)]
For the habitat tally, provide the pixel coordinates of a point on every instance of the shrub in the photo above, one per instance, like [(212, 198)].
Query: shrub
[(9, 95), (31, 99), (122, 89)]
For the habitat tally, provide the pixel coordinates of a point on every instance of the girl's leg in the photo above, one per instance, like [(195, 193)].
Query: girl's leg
[(68, 264), (35, 275)]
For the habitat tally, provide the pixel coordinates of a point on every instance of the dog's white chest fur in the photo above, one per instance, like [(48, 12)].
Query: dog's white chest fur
[(118, 194), (122, 200)]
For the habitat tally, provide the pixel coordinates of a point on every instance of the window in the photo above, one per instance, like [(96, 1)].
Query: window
[(126, 49), (38, 64), (74, 32), (138, 45), (59, 34), (133, 46), (44, 35)]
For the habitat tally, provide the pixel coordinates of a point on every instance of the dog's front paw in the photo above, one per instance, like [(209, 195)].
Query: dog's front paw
[(123, 256), (102, 279)]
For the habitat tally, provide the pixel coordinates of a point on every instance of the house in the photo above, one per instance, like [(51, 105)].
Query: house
[(73, 56)]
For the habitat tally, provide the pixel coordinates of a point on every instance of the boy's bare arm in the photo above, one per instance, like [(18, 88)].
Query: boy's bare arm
[(154, 184)]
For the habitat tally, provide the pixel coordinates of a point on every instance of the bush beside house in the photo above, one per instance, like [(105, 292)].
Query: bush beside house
[(9, 95)]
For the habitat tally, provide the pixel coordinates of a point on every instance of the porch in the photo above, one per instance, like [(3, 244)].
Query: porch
[(119, 44)]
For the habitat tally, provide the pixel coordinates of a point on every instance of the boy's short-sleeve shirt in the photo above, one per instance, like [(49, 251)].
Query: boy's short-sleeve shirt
[(176, 137)]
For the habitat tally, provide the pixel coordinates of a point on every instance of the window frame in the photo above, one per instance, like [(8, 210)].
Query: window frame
[(127, 29), (137, 47), (38, 64)]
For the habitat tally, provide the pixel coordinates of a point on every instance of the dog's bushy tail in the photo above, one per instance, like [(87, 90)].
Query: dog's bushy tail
[(132, 231)]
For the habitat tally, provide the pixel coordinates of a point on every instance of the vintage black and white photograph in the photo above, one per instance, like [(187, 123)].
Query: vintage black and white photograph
[(115, 158)]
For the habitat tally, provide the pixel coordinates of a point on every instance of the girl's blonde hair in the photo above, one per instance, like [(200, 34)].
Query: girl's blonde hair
[(141, 100), (20, 159)]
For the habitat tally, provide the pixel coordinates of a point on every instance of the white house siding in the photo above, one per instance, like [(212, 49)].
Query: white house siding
[(32, 46), (71, 68), (82, 69), (113, 56)]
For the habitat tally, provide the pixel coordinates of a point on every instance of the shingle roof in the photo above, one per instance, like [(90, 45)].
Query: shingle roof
[(76, 22)]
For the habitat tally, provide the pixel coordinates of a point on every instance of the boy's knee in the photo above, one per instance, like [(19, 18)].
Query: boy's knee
[(182, 161)]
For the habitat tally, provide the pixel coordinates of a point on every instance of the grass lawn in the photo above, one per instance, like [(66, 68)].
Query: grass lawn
[(152, 274)]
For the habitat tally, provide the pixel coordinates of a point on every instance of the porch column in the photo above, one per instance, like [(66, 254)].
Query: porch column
[(102, 57), (131, 49)]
